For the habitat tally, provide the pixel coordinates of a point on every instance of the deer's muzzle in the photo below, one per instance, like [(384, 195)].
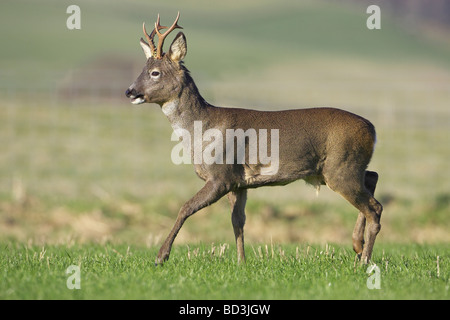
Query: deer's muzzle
[(136, 98)]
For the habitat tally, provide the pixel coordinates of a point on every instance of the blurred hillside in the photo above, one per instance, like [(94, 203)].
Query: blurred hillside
[(101, 59), (414, 11)]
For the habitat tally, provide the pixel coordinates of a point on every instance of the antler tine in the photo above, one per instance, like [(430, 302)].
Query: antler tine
[(158, 26), (152, 35), (161, 37), (150, 39)]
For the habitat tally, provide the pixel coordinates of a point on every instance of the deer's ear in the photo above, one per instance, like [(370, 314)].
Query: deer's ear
[(146, 48), (178, 48)]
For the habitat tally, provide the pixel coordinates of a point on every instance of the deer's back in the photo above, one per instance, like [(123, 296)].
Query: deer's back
[(321, 128)]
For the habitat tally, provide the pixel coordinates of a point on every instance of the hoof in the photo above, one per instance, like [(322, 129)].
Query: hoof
[(364, 260), (160, 261), (358, 247)]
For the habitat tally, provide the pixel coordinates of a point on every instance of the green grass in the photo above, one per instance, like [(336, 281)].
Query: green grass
[(206, 272)]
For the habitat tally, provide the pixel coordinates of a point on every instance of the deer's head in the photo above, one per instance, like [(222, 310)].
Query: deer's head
[(160, 81)]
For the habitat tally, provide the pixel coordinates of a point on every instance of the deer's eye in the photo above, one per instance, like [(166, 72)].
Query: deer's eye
[(155, 74)]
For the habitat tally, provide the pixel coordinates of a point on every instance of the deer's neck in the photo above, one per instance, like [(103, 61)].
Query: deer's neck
[(188, 107)]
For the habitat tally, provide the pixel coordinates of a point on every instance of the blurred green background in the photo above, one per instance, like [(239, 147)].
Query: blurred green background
[(79, 163)]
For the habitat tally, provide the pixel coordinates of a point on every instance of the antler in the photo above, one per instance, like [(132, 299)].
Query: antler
[(157, 52), (149, 39), (151, 36), (161, 37)]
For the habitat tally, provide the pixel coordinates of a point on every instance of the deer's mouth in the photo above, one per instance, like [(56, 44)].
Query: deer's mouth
[(137, 99)]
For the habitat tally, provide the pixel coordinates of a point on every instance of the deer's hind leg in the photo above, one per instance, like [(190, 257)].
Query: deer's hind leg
[(350, 183), (370, 182)]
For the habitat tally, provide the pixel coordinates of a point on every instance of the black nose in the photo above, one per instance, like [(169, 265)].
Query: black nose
[(129, 92)]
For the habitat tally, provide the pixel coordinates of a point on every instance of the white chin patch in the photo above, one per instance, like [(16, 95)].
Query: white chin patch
[(138, 100)]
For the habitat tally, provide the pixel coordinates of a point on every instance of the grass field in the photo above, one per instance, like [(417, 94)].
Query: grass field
[(86, 179), (210, 272)]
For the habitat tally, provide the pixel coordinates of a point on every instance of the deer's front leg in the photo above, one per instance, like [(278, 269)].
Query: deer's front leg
[(237, 202), (210, 193)]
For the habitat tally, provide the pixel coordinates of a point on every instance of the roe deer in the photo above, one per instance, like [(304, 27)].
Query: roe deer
[(323, 146)]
